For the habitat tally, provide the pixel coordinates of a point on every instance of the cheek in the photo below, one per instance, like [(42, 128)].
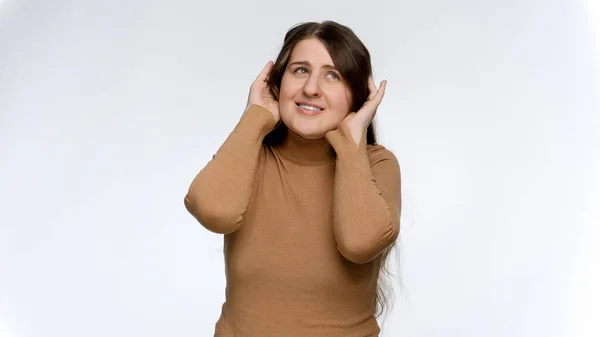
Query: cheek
[(287, 89), (341, 100), (287, 94)]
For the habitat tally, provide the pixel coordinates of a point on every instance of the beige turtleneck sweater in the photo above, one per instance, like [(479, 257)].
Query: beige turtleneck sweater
[(303, 229)]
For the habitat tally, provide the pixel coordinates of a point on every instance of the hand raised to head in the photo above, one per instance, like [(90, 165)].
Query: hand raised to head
[(260, 93), (358, 122)]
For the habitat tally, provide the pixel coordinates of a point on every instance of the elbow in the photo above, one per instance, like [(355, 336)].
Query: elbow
[(363, 248), (355, 253), (215, 217)]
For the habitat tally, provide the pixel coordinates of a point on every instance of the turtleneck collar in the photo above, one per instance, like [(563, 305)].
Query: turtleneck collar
[(306, 151)]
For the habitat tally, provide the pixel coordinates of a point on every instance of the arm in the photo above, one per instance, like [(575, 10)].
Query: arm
[(219, 194), (366, 204)]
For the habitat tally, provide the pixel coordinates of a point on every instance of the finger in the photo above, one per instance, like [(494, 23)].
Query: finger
[(380, 92), (264, 74), (372, 88)]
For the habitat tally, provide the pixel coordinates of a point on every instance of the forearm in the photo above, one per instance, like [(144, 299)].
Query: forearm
[(365, 219), (220, 192)]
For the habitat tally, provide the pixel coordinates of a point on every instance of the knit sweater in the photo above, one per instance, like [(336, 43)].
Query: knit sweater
[(304, 225)]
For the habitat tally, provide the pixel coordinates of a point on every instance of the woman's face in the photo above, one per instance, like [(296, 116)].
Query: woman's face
[(313, 99)]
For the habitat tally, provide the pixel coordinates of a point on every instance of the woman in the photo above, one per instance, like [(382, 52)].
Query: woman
[(308, 203)]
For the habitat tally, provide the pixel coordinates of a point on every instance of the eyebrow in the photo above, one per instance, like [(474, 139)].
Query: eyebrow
[(306, 63)]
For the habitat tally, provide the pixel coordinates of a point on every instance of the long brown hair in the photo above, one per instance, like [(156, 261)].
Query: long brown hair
[(353, 60)]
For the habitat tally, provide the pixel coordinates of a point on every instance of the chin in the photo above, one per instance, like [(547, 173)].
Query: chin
[(308, 134), (307, 127)]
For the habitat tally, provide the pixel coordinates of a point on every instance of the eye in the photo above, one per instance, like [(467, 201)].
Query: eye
[(301, 70), (333, 75)]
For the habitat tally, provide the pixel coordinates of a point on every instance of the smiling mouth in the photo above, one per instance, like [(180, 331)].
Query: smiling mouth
[(309, 108)]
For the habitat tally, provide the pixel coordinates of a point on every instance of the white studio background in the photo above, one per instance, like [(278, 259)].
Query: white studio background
[(108, 109)]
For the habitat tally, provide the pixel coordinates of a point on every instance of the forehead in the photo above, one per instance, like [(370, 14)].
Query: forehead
[(311, 50)]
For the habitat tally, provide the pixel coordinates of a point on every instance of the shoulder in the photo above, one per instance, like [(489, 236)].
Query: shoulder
[(378, 153), (384, 166)]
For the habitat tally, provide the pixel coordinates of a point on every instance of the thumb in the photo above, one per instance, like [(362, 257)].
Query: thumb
[(349, 116), (264, 74)]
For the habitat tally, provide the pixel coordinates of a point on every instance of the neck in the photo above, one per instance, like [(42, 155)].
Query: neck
[(306, 151)]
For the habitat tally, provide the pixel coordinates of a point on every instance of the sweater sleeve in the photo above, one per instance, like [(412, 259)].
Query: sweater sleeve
[(366, 197), (220, 192)]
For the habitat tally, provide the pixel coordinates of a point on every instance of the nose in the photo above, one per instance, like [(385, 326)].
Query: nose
[(312, 87)]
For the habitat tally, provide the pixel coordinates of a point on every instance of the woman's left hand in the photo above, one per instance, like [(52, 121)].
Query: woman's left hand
[(358, 122)]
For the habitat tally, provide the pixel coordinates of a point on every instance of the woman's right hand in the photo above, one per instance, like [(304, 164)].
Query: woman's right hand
[(260, 94)]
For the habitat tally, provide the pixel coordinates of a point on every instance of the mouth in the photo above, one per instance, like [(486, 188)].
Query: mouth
[(309, 109)]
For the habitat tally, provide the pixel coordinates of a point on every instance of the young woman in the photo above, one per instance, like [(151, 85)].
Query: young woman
[(308, 203)]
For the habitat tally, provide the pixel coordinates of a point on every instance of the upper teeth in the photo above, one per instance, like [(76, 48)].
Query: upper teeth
[(308, 107)]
